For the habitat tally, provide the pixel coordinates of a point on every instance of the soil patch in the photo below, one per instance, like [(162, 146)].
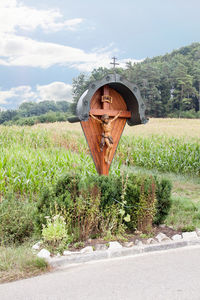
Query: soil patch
[(129, 237)]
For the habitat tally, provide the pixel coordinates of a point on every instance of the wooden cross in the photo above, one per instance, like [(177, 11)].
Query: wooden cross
[(114, 62), (106, 107), (106, 101)]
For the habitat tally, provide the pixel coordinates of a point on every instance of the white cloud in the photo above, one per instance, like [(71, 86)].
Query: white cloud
[(15, 15), (2, 109), (54, 91), (18, 50), (123, 62), (22, 51), (24, 93)]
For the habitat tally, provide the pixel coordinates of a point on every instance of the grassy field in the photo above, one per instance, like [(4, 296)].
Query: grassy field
[(189, 129), (31, 157), (34, 157), (177, 141)]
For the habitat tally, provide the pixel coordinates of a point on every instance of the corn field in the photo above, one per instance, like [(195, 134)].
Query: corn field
[(32, 157)]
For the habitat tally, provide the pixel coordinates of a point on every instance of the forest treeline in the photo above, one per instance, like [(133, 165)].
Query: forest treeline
[(169, 84), (30, 113)]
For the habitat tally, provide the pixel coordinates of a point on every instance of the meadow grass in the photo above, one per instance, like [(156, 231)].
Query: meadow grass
[(185, 211), (189, 129), (20, 262), (32, 157)]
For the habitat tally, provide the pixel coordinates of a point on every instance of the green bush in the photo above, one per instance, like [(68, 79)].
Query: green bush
[(98, 204), (80, 202), (16, 220), (164, 202)]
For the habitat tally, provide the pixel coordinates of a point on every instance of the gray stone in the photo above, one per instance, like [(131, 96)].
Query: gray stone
[(162, 226), (198, 232), (44, 253), (37, 246), (138, 243), (151, 241), (114, 246), (171, 227), (128, 244), (189, 235), (101, 247), (161, 237), (67, 253), (87, 249), (177, 237)]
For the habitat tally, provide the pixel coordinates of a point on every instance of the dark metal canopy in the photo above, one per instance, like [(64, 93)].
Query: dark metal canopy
[(128, 90)]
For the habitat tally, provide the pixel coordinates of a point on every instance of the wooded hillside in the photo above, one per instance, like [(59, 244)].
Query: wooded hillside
[(169, 84)]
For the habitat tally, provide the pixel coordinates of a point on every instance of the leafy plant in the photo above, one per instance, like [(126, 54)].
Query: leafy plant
[(55, 233)]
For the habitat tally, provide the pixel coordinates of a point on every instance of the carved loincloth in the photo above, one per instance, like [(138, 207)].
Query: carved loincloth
[(102, 144)]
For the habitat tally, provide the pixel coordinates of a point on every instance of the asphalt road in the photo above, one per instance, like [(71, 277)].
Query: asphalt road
[(172, 274)]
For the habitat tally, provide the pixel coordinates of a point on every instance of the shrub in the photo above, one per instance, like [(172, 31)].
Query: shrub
[(16, 220), (80, 203), (146, 208), (164, 202), (97, 205)]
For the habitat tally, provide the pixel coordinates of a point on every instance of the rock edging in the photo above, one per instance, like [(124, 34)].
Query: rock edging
[(159, 243)]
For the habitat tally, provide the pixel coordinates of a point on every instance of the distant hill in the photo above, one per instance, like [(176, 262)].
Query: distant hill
[(30, 113), (169, 84)]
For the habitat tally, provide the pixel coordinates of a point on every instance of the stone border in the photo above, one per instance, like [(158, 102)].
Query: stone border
[(116, 250)]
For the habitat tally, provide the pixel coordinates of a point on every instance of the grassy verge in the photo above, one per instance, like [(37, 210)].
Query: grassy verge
[(185, 211), (20, 262)]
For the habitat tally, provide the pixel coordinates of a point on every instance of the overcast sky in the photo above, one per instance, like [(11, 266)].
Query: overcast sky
[(44, 44)]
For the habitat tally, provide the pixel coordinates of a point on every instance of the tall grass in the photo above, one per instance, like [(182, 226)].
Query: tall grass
[(31, 157), (163, 153), (20, 262)]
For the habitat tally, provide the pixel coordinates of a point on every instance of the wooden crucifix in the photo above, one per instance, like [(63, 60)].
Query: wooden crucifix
[(108, 114), (102, 111)]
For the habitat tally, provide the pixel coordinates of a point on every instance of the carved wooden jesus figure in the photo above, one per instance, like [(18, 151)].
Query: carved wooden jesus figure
[(106, 134)]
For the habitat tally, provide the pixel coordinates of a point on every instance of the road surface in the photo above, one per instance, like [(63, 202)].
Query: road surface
[(170, 275)]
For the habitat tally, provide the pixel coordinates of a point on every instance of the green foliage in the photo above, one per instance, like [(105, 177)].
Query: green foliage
[(100, 205), (55, 233), (146, 207), (55, 229), (80, 203), (167, 83), (31, 159), (164, 202), (17, 262), (161, 153), (30, 113), (16, 220), (184, 214)]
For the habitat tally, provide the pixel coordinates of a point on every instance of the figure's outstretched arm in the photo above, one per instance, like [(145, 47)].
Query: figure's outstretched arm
[(116, 116), (95, 118)]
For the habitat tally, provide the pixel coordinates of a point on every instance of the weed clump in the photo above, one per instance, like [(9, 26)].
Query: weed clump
[(16, 220)]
